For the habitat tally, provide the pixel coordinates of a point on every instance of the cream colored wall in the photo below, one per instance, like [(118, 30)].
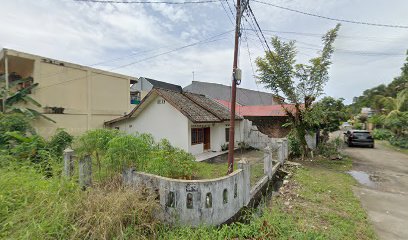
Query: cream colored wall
[(160, 120), (90, 96)]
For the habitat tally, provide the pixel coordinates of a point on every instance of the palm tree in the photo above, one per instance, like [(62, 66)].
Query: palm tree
[(395, 104)]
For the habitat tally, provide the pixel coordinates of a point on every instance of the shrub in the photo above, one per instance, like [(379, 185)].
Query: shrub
[(400, 141), (382, 134), (330, 148), (128, 151), (59, 142), (294, 145), (13, 123), (171, 162)]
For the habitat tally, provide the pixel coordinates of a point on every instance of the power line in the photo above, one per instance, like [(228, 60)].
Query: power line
[(332, 18), (342, 50), (257, 24), (319, 35), (252, 67), (147, 2), (207, 40), (226, 12)]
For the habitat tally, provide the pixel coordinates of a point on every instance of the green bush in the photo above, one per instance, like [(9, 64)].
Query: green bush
[(399, 141), (129, 151), (382, 134), (295, 148), (59, 142), (13, 123), (330, 148)]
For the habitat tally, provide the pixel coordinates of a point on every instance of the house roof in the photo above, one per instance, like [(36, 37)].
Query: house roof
[(260, 111), (164, 85), (197, 108), (245, 97)]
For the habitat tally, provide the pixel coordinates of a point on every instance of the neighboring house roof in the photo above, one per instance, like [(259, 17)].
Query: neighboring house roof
[(245, 97), (260, 111), (164, 85), (197, 108)]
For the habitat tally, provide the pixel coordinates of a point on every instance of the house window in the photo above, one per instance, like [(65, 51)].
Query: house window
[(197, 136), (227, 134)]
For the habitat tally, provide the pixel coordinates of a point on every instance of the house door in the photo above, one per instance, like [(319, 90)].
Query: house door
[(207, 144)]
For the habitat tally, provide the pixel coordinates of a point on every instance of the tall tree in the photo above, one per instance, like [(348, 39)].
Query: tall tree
[(300, 83)]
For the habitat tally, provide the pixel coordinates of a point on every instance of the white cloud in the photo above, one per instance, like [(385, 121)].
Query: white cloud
[(87, 33)]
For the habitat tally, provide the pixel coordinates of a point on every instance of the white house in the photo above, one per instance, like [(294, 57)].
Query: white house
[(189, 121)]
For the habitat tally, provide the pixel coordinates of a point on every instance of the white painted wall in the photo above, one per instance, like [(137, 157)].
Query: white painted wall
[(162, 121), (217, 135)]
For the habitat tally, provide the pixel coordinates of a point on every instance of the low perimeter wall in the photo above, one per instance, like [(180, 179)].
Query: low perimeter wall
[(209, 201), (197, 202)]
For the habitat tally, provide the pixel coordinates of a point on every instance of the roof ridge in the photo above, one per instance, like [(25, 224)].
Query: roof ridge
[(203, 107)]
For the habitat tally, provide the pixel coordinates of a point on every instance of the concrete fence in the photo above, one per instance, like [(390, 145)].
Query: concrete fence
[(84, 168), (257, 139), (204, 202), (193, 202)]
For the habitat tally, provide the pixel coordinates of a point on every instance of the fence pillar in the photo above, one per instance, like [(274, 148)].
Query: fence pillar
[(268, 162), (68, 162), (85, 171), (246, 189), (281, 157), (286, 148)]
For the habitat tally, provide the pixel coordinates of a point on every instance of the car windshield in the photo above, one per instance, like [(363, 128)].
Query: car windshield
[(361, 134)]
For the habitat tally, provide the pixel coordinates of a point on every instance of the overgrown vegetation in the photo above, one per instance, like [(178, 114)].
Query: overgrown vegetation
[(114, 152)]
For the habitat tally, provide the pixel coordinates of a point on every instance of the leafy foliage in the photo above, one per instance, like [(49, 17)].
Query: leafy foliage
[(301, 84), (14, 122), (60, 141), (397, 122), (21, 96), (382, 134)]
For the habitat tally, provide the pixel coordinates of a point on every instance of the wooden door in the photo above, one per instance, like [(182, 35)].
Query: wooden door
[(207, 143)]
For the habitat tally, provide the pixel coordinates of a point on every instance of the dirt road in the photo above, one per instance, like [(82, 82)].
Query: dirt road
[(383, 174)]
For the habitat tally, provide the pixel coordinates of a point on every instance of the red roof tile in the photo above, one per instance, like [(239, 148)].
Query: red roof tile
[(259, 111)]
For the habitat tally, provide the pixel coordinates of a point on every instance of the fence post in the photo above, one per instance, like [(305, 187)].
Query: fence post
[(281, 157), (268, 162), (68, 162), (85, 171), (246, 188), (286, 148)]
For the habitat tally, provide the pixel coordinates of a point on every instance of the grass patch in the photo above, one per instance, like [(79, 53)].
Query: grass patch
[(216, 170)]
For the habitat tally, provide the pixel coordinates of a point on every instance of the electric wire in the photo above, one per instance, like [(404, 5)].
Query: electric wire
[(332, 18), (226, 12), (147, 2), (207, 40)]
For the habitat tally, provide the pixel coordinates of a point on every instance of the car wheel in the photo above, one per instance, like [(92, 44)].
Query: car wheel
[(372, 146), (349, 144)]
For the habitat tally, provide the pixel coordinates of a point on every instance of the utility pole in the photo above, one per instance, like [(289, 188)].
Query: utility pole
[(235, 73)]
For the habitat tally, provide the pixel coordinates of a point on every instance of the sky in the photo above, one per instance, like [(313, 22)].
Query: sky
[(170, 42)]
